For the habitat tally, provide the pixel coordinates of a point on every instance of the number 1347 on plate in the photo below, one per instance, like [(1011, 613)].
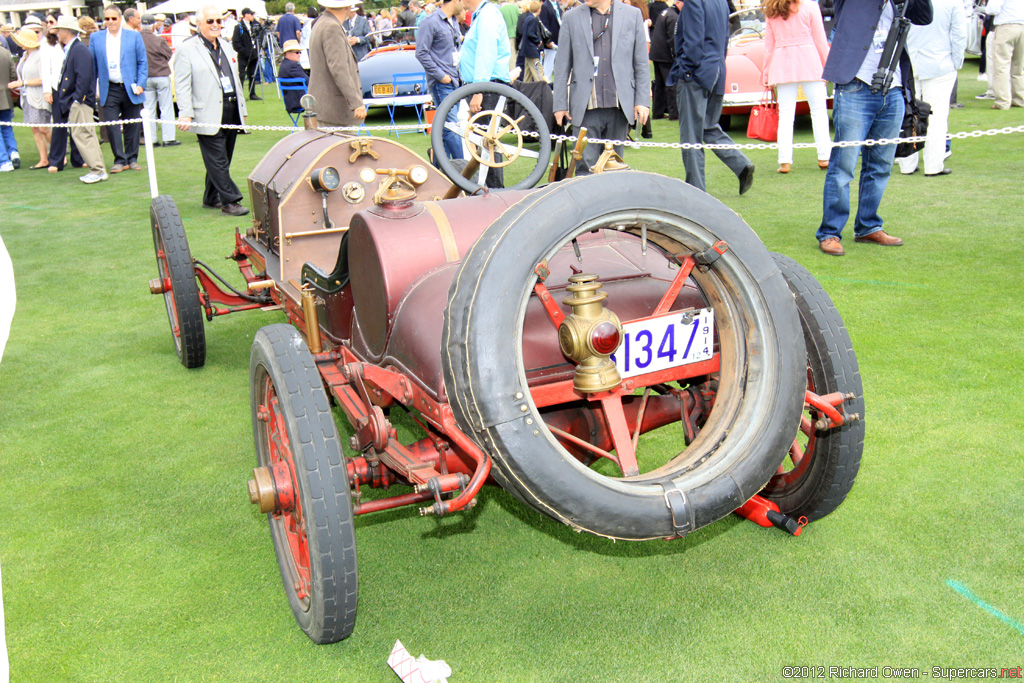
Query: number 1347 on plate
[(665, 341)]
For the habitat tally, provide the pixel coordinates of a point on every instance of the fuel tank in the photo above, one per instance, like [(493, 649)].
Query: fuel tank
[(402, 264)]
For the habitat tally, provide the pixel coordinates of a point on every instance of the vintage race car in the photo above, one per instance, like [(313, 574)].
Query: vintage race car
[(619, 351), (744, 60)]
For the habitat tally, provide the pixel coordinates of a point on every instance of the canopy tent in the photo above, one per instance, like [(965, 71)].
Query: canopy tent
[(191, 6)]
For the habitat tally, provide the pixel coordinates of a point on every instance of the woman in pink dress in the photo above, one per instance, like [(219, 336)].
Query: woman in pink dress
[(795, 50)]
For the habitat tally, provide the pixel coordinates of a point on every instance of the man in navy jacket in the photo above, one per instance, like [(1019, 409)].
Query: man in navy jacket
[(73, 98), (859, 114), (698, 74)]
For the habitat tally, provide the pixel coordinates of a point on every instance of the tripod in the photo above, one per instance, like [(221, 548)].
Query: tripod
[(268, 49)]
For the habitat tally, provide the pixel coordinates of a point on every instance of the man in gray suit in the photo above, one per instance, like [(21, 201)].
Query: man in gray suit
[(357, 27), (602, 56), (209, 95)]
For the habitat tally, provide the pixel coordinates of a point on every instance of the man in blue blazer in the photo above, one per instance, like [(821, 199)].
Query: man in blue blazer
[(119, 56), (698, 74), (861, 28)]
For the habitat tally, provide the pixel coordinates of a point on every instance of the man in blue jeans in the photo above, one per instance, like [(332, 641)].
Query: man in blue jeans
[(861, 29), (436, 48)]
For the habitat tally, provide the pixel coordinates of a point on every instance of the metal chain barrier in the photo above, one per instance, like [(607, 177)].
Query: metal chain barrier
[(1009, 130)]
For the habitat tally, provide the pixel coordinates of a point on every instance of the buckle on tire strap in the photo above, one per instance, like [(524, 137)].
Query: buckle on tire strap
[(682, 512)]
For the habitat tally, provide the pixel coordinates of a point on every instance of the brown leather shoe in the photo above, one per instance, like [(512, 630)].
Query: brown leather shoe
[(783, 168), (823, 165), (832, 246), (234, 209), (881, 238)]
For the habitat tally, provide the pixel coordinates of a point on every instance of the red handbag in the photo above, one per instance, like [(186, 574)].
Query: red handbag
[(764, 118)]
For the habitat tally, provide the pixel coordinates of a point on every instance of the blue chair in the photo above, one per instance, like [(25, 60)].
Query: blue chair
[(294, 84), (418, 98)]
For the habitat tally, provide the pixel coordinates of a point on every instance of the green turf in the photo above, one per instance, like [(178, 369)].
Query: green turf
[(130, 551)]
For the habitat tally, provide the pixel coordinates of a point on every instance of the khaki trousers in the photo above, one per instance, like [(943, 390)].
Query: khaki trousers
[(85, 138), (533, 70), (1008, 66)]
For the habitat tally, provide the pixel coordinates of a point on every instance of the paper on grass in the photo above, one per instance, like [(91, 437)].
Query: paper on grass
[(418, 670)]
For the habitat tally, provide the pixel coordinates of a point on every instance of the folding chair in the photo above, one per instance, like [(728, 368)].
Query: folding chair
[(297, 84), (417, 100)]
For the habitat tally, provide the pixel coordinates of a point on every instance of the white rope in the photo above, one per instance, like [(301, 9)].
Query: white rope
[(1009, 130)]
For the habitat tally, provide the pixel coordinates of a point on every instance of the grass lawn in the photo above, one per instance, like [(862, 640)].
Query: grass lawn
[(131, 553)]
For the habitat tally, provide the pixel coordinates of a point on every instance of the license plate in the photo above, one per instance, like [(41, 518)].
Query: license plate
[(383, 90), (667, 341)]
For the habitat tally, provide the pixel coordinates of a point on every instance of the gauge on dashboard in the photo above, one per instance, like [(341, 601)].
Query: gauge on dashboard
[(418, 175), (326, 179)]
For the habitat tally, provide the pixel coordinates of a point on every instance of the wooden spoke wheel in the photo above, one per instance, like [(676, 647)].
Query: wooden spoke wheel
[(177, 280), (297, 444)]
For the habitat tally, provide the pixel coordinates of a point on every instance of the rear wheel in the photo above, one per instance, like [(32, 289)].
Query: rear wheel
[(181, 294), (311, 526), (819, 471), (630, 467)]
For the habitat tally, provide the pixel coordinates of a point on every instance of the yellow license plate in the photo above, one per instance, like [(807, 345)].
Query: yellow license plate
[(383, 90)]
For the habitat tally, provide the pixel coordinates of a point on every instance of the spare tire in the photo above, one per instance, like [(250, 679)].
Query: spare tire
[(762, 358)]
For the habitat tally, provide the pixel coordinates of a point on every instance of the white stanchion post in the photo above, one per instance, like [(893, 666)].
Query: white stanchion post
[(8, 300), (147, 119)]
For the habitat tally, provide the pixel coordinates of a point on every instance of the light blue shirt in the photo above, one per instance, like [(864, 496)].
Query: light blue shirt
[(485, 52)]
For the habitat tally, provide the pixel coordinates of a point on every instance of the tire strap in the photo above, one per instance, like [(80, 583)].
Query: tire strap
[(682, 512)]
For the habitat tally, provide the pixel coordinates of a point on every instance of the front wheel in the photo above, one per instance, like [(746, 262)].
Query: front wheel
[(178, 281), (311, 525)]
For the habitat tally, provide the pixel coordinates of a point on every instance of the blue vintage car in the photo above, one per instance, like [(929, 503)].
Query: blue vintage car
[(378, 71)]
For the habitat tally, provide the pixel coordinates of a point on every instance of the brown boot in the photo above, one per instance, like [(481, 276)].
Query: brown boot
[(832, 246)]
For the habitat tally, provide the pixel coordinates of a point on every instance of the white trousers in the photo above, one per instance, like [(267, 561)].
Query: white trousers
[(816, 98), (936, 92), (549, 61)]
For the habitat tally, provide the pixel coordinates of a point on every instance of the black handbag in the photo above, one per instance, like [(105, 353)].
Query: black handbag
[(915, 124)]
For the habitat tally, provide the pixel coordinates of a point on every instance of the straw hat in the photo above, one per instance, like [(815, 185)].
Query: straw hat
[(69, 23), (338, 4), (291, 46), (32, 21), (26, 38)]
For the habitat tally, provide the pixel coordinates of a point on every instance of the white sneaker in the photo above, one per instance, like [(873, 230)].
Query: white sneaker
[(985, 96), (90, 178), (15, 159), (6, 167), (982, 77)]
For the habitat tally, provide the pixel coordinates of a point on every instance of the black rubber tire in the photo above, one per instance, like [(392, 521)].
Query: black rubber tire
[(448, 166), (762, 381), (184, 309), (835, 456), (280, 356)]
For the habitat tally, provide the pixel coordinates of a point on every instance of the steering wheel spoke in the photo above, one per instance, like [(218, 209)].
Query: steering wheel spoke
[(487, 135)]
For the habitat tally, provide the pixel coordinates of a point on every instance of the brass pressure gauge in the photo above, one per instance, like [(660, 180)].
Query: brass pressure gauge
[(326, 179), (418, 175)]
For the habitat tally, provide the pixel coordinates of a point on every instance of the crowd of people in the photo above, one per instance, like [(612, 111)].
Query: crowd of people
[(595, 54)]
